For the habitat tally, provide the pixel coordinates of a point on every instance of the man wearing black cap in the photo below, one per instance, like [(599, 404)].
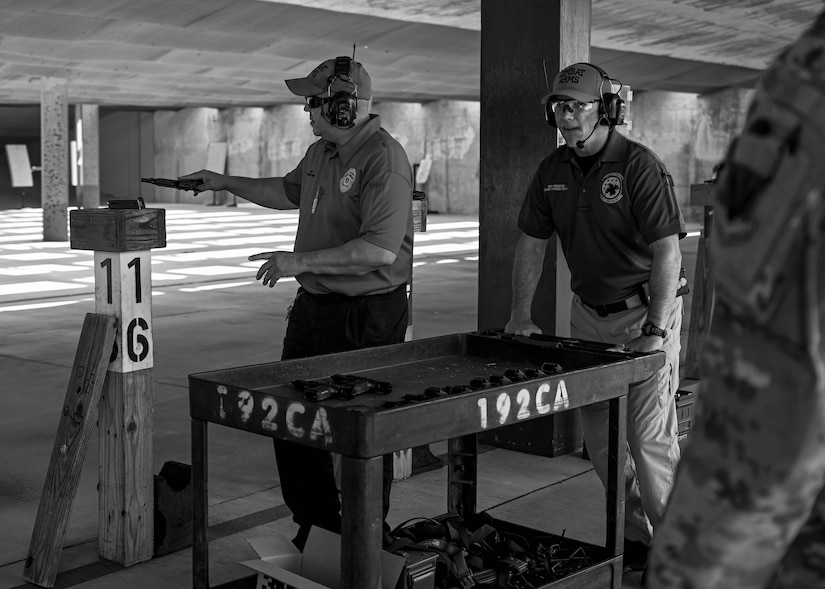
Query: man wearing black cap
[(352, 255), (611, 202)]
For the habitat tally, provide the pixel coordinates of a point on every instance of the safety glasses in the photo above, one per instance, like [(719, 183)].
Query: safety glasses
[(559, 106), (316, 101)]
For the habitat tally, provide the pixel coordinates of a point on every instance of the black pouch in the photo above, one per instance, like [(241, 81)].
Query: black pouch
[(683, 283), (682, 288)]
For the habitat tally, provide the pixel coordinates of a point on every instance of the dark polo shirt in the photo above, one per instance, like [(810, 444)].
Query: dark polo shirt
[(605, 218), (362, 188)]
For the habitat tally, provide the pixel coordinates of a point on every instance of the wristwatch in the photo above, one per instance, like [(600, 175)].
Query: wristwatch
[(650, 329)]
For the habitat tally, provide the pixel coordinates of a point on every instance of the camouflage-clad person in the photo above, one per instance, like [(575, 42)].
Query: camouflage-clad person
[(753, 471)]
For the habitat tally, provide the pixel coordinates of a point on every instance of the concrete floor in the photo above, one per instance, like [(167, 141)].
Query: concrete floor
[(213, 321)]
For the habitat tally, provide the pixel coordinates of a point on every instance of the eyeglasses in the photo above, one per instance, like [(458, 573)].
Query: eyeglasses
[(559, 106), (316, 101)]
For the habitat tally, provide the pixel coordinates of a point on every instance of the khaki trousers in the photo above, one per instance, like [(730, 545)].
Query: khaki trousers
[(652, 424)]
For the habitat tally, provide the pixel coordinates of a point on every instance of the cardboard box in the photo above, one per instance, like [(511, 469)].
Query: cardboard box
[(319, 567)]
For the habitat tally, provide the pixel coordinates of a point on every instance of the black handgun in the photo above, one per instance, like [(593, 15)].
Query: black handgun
[(362, 384), (515, 375), (350, 391), (315, 390), (176, 184), (340, 386)]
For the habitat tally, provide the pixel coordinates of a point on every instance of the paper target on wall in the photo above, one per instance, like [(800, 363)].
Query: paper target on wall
[(424, 168)]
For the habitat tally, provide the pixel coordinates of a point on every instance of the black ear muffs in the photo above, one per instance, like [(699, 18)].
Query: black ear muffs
[(549, 115), (611, 109), (342, 106)]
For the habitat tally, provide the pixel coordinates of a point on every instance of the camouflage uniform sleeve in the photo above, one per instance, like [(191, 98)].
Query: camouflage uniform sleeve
[(751, 475)]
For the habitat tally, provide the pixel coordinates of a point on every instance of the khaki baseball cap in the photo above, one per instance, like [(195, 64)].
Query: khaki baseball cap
[(358, 81), (580, 81)]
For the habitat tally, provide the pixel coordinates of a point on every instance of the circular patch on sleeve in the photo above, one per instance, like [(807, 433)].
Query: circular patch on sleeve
[(347, 180), (612, 188)]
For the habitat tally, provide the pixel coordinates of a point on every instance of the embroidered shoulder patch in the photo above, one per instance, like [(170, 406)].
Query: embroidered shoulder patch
[(347, 180), (612, 188)]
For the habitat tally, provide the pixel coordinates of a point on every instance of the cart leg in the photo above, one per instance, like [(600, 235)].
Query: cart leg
[(200, 521), (616, 457), (361, 522), (462, 475)]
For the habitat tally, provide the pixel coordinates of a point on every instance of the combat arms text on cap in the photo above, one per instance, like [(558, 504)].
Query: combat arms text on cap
[(580, 81)]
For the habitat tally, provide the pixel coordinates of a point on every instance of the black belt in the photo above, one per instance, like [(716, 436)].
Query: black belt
[(625, 305)]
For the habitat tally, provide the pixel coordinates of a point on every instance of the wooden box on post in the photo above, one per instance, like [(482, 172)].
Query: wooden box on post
[(121, 240), (117, 230)]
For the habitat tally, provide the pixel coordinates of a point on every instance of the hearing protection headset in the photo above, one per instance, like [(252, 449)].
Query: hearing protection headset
[(342, 105), (611, 108)]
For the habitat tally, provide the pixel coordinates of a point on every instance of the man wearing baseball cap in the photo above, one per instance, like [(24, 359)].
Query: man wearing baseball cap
[(583, 84), (354, 80), (611, 202), (352, 255)]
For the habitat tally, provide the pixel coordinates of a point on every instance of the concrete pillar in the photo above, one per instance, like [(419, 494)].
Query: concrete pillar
[(515, 138), (54, 119), (88, 152)]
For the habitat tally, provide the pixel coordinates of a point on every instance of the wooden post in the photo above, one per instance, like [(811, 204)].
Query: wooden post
[(121, 240), (70, 444), (701, 303)]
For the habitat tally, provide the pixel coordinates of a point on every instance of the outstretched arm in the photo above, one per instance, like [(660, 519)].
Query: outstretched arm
[(267, 192)]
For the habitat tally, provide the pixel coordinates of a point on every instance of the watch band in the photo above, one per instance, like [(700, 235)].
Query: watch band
[(648, 328)]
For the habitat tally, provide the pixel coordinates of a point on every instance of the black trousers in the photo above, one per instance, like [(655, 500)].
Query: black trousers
[(325, 324)]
